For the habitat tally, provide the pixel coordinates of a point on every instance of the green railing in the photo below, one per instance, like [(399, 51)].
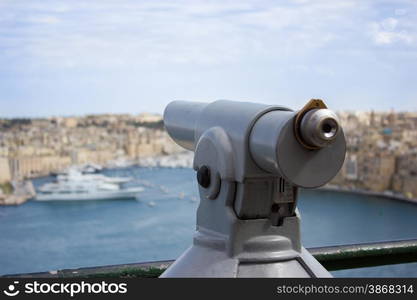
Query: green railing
[(332, 258)]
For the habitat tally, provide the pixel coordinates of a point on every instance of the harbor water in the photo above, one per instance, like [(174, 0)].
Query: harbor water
[(42, 236)]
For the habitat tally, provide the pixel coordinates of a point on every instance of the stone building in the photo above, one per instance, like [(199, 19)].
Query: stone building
[(5, 173), (376, 171), (405, 178)]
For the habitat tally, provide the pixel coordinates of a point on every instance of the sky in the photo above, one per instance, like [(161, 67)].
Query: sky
[(131, 56)]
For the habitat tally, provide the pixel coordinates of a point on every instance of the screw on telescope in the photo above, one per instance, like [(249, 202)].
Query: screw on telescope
[(203, 176)]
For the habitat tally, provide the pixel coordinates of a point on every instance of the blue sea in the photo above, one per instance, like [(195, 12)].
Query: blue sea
[(159, 225)]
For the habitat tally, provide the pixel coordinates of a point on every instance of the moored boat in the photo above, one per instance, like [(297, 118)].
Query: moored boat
[(80, 187)]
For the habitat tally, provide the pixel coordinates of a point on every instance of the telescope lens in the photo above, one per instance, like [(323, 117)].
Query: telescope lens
[(319, 127), (329, 129)]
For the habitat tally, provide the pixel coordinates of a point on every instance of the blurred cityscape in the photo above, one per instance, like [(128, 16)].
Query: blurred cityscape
[(381, 152), (381, 148)]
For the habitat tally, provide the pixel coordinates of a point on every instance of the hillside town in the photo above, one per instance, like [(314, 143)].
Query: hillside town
[(381, 148), (381, 152)]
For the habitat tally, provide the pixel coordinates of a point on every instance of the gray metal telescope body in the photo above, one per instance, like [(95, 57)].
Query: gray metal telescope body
[(247, 221)]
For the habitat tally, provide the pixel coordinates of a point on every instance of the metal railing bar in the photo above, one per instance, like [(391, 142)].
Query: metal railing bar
[(332, 258)]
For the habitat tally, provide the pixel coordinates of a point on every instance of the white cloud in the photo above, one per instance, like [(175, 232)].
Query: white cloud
[(126, 34), (388, 31), (386, 37), (389, 23), (119, 33)]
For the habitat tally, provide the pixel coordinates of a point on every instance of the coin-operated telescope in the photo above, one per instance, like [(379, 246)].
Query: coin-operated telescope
[(250, 161)]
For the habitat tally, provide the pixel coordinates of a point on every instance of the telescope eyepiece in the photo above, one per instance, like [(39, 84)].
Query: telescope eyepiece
[(319, 127)]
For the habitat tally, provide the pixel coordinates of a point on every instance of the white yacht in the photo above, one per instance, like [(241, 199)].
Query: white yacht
[(76, 176), (78, 186)]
